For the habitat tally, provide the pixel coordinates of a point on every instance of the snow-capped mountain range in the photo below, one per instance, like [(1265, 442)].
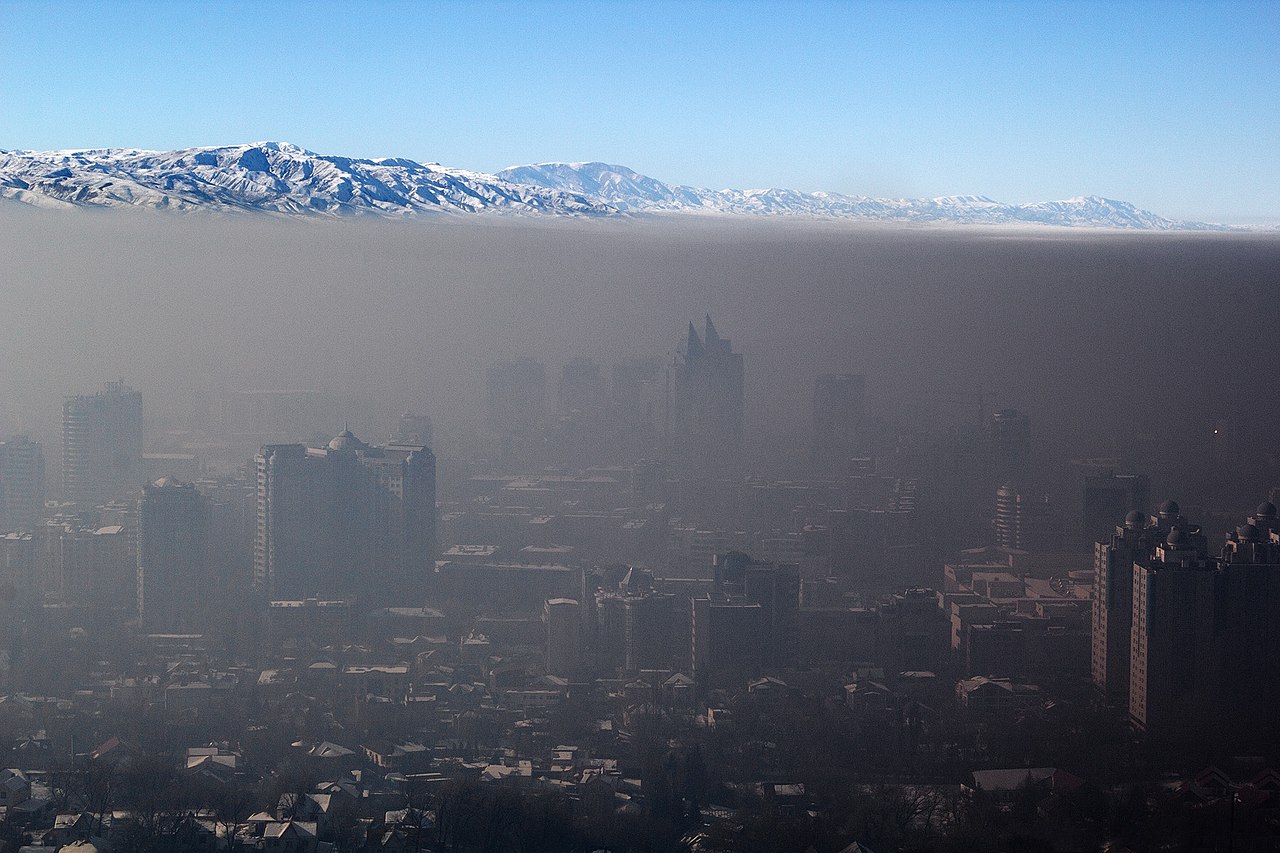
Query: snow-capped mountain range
[(630, 191), (276, 177)]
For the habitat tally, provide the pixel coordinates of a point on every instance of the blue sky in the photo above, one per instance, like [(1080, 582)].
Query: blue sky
[(1173, 106)]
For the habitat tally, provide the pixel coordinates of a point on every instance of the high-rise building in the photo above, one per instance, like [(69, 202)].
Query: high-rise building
[(95, 566), (413, 429), (582, 431), (1010, 437), (21, 484), (649, 621), (1183, 635), (515, 394), (248, 419), (776, 588), (102, 444), (345, 519), (1113, 563), (773, 586), (1025, 521), (706, 398), (639, 405), (18, 581), (609, 642), (727, 639), (1174, 655), (1110, 496), (1249, 617), (837, 419), (581, 388), (563, 618), (174, 586), (1203, 629)]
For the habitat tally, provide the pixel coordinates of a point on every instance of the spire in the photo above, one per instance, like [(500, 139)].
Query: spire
[(712, 337), (693, 348)]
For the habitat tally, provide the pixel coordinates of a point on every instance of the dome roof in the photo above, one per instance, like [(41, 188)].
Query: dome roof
[(1170, 508), (168, 482), (1135, 520), (345, 440), (1266, 509), (1177, 536)]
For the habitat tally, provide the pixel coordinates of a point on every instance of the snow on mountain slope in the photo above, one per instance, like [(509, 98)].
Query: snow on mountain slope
[(628, 190), (280, 178), (269, 176), (617, 185)]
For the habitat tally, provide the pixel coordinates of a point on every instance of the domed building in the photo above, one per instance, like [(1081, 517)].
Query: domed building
[(1186, 636), (346, 520), (346, 442)]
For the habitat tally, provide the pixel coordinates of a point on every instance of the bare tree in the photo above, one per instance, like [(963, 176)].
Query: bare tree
[(230, 803)]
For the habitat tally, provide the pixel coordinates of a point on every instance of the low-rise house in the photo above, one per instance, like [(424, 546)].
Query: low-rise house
[(290, 836), (15, 787), (404, 756), (309, 808), (31, 813), (981, 696), (115, 753), (1004, 785)]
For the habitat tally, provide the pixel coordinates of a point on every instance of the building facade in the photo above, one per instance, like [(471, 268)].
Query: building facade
[(346, 519), (563, 617), (1205, 637), (102, 444), (515, 396), (706, 399), (837, 420), (22, 481), (1113, 563), (174, 587)]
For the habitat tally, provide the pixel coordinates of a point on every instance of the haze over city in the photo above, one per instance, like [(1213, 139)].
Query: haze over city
[(639, 427)]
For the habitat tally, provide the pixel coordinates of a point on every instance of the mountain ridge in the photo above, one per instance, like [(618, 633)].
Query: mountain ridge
[(271, 177), (282, 178), (633, 191)]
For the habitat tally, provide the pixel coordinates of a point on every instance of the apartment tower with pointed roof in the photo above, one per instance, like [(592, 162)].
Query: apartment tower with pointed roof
[(705, 422)]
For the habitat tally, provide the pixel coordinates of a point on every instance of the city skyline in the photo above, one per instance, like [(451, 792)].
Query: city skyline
[(363, 505)]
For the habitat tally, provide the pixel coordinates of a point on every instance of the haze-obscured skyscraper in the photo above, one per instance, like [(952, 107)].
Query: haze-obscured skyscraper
[(773, 586), (515, 395), (21, 483), (706, 398), (94, 567), (649, 624), (837, 419), (413, 429), (728, 639), (1010, 437), (563, 618), (1110, 496), (1025, 521), (581, 389), (346, 519), (102, 444), (639, 405), (173, 544)]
